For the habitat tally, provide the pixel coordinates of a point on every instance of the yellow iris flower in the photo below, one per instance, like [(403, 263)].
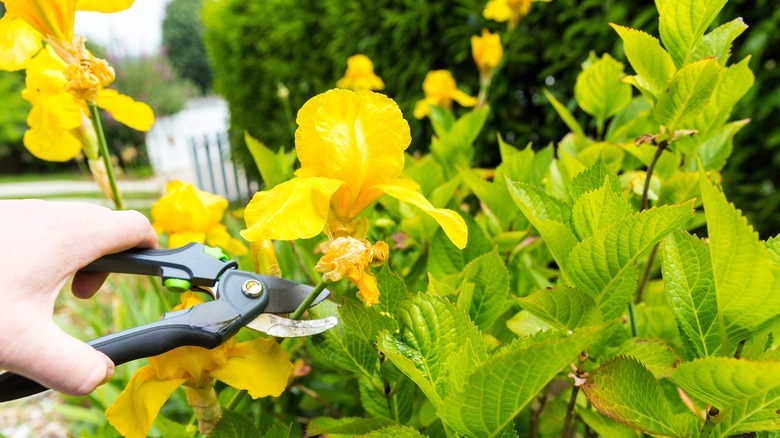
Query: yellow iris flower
[(57, 117), (486, 51), (441, 89), (507, 10), (360, 75), (187, 215), (260, 366), (351, 148), (27, 22)]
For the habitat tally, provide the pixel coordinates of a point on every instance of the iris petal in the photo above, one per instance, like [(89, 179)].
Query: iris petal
[(260, 366), (125, 110), (18, 43), (105, 6)]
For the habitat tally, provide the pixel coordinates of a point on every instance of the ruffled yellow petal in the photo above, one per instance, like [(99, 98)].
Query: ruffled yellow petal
[(105, 6), (421, 109), (49, 17), (356, 137), (218, 236), (43, 144), (125, 110), (260, 366), (134, 411), (463, 99), (454, 226), (18, 43), (184, 208), (296, 209), (368, 291)]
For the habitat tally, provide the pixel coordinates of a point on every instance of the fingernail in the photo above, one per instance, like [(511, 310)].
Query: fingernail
[(109, 374)]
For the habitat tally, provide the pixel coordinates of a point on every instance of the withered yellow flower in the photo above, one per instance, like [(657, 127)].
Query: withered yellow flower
[(441, 89), (348, 257), (486, 51), (187, 215), (360, 75), (260, 366)]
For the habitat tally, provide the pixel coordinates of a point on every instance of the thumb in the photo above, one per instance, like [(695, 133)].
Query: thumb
[(61, 362)]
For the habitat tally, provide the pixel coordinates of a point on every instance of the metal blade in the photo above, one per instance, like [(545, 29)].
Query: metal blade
[(288, 328), (287, 295)]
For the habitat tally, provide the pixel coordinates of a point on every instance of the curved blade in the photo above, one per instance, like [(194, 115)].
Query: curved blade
[(286, 295), (288, 328)]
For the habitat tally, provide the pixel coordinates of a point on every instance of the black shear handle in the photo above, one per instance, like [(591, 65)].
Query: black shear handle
[(176, 329)]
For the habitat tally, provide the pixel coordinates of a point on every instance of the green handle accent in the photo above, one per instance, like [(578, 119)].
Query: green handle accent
[(215, 252), (177, 285)]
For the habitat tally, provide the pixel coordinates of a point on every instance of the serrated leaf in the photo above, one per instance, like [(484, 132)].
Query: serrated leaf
[(461, 364), (773, 245), (682, 24), (565, 115), (341, 347), (503, 385), (525, 323), (733, 385), (624, 390), (396, 431), (234, 425), (345, 425), (562, 307), (275, 168), (599, 89), (679, 188), (604, 426), (687, 93), (446, 259), (611, 153), (365, 322), (717, 43), (373, 400), (392, 289), (593, 178), (454, 148), (432, 329), (490, 296), (648, 59), (598, 209), (654, 354), (714, 152), (494, 196), (168, 428), (278, 430), (515, 164), (690, 292), (603, 264), (746, 281), (634, 120)]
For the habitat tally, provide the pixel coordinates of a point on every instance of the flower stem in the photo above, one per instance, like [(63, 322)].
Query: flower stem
[(310, 299), (95, 116), (237, 397), (648, 176)]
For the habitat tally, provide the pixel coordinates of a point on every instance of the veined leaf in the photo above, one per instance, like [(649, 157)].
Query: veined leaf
[(441, 119), (604, 426), (516, 165), (733, 83), (565, 115), (455, 146), (392, 290), (503, 385), (490, 297), (687, 93), (275, 168), (654, 354), (682, 24), (612, 154), (446, 259), (648, 59), (679, 188), (717, 43), (346, 425), (714, 152), (597, 209), (747, 393), (746, 281), (396, 431), (624, 390), (278, 430), (592, 179), (234, 425), (341, 347), (603, 264), (493, 195), (562, 307), (773, 245), (365, 322), (690, 292), (599, 89)]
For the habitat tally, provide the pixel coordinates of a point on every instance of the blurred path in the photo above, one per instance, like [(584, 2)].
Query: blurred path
[(137, 193)]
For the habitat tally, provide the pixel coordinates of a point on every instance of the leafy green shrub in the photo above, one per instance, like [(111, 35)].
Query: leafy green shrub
[(182, 37)]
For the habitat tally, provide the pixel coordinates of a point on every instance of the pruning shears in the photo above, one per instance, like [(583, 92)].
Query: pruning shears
[(240, 299)]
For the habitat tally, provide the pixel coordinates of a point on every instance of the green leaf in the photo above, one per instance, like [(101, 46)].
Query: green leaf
[(598, 209), (714, 152), (625, 391), (441, 119), (278, 430), (562, 307), (169, 428), (604, 426), (275, 168), (648, 59), (461, 364), (746, 281), (364, 321), (491, 289), (515, 164), (682, 24), (690, 292), (392, 289), (654, 354), (593, 178), (432, 329), (503, 385), (773, 245), (679, 188), (599, 89), (717, 43), (687, 93), (446, 259), (396, 431), (611, 153), (341, 347), (494, 196), (372, 398), (454, 148), (634, 120), (603, 264), (565, 115), (345, 425), (234, 425)]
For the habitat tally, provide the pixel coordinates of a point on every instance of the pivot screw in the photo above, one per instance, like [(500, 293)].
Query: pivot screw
[(252, 288)]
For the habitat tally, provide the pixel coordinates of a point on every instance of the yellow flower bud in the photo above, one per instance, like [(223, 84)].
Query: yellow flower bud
[(487, 51)]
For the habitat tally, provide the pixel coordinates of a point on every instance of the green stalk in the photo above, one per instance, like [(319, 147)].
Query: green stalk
[(95, 117), (310, 299)]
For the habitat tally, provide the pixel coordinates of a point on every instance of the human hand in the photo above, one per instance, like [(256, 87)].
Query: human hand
[(43, 245)]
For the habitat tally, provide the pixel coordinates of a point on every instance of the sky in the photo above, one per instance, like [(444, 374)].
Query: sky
[(134, 32)]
